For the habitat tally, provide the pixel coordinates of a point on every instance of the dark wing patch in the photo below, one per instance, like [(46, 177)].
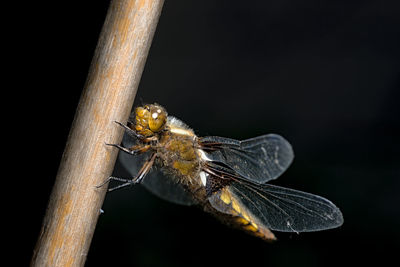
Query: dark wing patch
[(155, 181), (258, 159), (215, 184)]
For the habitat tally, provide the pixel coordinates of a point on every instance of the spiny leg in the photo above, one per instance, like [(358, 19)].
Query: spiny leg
[(134, 150), (129, 131), (115, 179), (139, 177)]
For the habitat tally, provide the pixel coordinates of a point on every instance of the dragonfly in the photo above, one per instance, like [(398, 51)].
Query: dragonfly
[(226, 177)]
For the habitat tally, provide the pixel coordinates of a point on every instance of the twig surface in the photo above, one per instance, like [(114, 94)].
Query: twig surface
[(114, 75)]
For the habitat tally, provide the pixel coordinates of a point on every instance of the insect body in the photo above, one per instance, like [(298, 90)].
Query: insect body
[(227, 177)]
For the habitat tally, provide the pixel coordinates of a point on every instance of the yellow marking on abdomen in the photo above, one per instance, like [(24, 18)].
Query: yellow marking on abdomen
[(243, 218), (225, 197), (250, 228), (236, 206)]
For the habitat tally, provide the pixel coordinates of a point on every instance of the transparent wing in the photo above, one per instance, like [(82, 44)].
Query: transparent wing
[(155, 181), (283, 209), (258, 159)]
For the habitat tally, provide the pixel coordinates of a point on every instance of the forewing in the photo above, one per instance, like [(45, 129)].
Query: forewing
[(258, 159), (286, 210), (155, 181)]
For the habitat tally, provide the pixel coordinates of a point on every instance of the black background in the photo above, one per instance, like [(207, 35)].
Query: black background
[(324, 74)]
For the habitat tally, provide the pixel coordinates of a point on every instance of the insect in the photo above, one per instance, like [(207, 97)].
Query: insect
[(227, 177)]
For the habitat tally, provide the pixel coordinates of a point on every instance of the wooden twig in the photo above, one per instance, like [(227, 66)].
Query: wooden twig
[(114, 75)]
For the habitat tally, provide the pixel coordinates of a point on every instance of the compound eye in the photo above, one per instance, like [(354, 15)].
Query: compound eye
[(158, 118)]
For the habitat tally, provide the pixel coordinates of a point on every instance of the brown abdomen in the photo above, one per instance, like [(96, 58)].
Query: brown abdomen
[(237, 215)]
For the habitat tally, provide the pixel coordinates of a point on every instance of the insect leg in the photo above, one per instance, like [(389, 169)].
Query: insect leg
[(134, 150), (129, 130), (139, 177), (112, 178)]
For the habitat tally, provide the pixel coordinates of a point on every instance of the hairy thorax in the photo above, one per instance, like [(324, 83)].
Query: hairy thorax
[(178, 154)]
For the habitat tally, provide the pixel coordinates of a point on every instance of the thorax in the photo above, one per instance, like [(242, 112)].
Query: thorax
[(178, 152)]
